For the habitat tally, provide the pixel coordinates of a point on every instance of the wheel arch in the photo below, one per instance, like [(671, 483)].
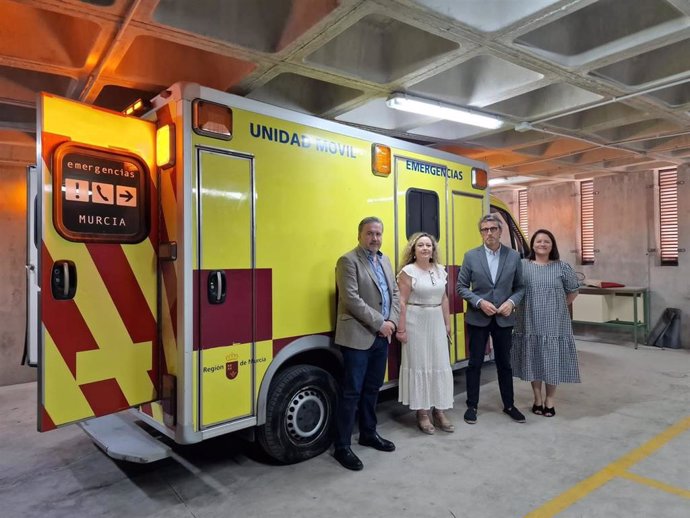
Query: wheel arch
[(316, 350)]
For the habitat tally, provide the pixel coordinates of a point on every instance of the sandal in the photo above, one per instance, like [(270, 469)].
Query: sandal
[(442, 421), (538, 409), (424, 423), (549, 412)]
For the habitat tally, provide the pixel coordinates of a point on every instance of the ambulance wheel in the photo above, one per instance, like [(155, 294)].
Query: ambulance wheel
[(299, 413)]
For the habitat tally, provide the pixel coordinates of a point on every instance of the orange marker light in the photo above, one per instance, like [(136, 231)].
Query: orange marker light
[(380, 160), (480, 178), (165, 146), (212, 120), (137, 108)]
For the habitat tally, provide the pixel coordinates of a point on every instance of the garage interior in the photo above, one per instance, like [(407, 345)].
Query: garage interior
[(585, 90)]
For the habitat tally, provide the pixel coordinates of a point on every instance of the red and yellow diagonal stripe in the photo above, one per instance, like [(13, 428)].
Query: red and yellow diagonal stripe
[(99, 352)]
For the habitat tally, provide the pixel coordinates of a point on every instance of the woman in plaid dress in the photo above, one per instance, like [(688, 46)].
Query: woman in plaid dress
[(543, 345)]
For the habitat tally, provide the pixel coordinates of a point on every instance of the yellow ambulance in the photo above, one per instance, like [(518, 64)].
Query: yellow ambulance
[(183, 271)]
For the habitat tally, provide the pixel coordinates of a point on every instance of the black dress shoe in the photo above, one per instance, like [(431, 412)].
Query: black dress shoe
[(515, 414), (348, 459), (377, 442), (470, 416)]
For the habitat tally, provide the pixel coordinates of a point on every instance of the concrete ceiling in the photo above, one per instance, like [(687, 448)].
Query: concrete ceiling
[(585, 87)]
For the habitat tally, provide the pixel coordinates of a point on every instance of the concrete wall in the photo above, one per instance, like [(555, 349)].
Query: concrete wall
[(13, 276), (625, 230)]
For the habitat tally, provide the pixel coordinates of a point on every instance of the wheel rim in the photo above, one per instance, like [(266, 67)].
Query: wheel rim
[(306, 415)]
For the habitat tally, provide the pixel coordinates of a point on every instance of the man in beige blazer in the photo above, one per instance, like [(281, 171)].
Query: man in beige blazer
[(368, 309)]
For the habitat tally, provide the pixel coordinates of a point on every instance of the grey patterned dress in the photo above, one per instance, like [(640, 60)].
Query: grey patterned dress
[(543, 344)]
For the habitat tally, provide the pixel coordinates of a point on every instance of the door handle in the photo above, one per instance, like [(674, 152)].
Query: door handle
[(63, 280), (217, 284)]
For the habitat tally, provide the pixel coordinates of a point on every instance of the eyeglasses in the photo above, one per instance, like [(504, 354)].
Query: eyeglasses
[(488, 230), (433, 279)]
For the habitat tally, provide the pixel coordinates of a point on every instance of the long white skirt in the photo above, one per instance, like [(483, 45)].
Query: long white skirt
[(426, 379)]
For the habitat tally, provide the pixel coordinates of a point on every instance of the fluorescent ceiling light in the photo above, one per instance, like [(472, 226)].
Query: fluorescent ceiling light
[(510, 180), (439, 110)]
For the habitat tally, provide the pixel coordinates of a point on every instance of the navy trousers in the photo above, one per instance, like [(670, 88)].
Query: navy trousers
[(502, 341), (362, 379)]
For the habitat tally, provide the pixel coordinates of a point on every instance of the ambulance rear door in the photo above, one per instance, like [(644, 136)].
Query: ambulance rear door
[(97, 243), (31, 340)]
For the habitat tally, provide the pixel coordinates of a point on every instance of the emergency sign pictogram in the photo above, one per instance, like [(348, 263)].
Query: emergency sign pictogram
[(126, 196), (99, 195), (102, 193), (76, 190)]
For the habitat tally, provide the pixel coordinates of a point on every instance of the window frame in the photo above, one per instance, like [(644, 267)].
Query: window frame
[(587, 222), (408, 213), (667, 182), (523, 214)]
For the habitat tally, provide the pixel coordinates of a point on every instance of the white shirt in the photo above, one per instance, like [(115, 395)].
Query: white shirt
[(492, 258)]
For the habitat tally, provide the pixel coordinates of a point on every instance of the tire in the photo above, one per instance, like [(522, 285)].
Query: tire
[(299, 414)]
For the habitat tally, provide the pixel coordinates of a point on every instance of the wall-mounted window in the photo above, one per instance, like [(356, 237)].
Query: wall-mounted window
[(587, 221), (522, 211), (422, 213), (668, 217)]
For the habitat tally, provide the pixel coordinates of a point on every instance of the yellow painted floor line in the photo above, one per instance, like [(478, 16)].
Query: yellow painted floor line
[(616, 468), (656, 484)]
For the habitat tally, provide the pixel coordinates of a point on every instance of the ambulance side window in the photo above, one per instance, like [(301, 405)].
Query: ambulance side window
[(422, 213)]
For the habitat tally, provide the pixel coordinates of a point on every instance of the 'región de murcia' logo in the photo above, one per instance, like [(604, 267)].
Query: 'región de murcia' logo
[(231, 365)]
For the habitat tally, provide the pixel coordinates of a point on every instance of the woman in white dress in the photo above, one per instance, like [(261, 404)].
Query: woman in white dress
[(426, 379)]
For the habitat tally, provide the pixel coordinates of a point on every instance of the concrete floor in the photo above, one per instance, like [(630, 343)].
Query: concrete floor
[(495, 468)]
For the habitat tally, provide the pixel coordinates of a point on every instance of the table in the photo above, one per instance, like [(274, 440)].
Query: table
[(613, 307)]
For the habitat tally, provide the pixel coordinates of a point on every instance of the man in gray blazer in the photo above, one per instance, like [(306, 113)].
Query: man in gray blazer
[(368, 310), (490, 281)]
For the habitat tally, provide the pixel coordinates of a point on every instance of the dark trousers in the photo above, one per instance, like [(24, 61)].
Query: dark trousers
[(362, 379), (502, 340)]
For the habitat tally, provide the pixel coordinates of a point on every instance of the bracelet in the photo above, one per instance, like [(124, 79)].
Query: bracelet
[(399, 331)]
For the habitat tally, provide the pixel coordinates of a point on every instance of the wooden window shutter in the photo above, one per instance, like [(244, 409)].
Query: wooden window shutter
[(668, 217), (587, 221), (522, 212)]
